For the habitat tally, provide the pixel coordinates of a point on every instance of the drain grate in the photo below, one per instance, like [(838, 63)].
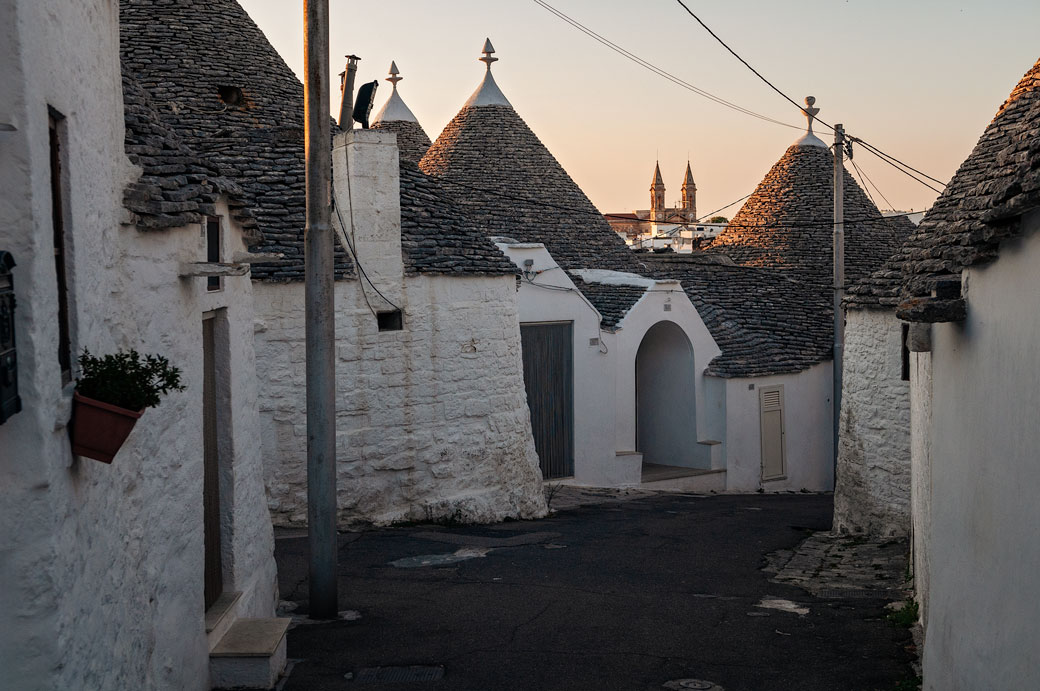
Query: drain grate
[(700, 684), (390, 674)]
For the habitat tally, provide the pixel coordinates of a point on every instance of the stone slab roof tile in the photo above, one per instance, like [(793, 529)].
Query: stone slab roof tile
[(436, 238), (981, 206), (765, 323), (412, 140), (786, 224), (187, 53), (612, 301), (176, 187), (511, 185)]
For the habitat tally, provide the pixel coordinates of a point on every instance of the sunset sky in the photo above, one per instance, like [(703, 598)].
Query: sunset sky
[(919, 79)]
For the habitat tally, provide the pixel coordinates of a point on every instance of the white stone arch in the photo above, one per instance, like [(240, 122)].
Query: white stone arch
[(666, 398)]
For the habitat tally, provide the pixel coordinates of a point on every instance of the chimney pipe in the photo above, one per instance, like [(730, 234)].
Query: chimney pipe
[(346, 85)]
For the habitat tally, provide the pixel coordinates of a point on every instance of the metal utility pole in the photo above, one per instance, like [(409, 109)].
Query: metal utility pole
[(839, 278), (320, 316)]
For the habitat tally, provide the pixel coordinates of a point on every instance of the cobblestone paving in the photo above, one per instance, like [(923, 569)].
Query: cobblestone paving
[(840, 566)]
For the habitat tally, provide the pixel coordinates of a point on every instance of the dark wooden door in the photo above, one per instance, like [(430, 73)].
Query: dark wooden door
[(211, 468), (549, 379)]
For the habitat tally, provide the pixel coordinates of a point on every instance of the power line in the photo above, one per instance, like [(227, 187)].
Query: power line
[(625, 217), (746, 63), (881, 194), (863, 182), (891, 160), (895, 164), (657, 70)]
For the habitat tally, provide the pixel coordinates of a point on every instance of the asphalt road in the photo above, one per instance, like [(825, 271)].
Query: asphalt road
[(628, 595)]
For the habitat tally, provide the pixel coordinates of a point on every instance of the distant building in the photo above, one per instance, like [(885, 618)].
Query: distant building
[(662, 227)]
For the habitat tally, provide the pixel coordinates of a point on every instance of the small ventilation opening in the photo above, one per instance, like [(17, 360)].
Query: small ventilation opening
[(231, 95), (390, 321)]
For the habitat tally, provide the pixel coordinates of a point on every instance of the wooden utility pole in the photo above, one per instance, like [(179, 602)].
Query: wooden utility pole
[(320, 316), (839, 279)]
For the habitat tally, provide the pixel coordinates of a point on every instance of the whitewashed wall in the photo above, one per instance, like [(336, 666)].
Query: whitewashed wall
[(595, 461), (102, 565), (807, 422), (648, 311), (984, 546), (432, 420), (872, 494), (921, 476)]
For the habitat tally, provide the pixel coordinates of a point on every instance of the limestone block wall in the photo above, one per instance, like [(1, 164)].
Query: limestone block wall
[(432, 420), (872, 492)]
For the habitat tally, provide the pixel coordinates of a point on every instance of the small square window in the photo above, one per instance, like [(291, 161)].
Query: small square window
[(390, 321)]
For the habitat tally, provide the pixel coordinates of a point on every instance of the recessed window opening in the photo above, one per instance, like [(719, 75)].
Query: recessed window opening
[(59, 160), (231, 95), (390, 321), (906, 352), (213, 251)]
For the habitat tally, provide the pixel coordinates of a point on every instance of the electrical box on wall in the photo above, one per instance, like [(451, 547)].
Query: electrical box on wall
[(10, 403)]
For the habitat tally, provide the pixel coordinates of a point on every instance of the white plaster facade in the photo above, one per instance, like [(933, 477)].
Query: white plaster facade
[(432, 419), (872, 494), (722, 428), (102, 565), (606, 452), (982, 545), (808, 448)]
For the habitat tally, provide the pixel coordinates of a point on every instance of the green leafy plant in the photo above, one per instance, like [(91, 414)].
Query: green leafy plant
[(127, 379), (718, 219), (906, 616)]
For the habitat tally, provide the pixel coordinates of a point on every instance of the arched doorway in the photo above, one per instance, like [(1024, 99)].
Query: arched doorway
[(666, 421)]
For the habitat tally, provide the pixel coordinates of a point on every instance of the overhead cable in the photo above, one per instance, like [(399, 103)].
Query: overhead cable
[(657, 70), (891, 160)]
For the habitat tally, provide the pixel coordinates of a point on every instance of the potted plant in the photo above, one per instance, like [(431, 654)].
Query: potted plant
[(111, 394)]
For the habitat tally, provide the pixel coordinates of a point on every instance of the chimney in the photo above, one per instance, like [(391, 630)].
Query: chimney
[(346, 87), (370, 198)]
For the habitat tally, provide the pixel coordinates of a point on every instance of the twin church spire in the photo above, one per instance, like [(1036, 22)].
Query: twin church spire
[(658, 211)]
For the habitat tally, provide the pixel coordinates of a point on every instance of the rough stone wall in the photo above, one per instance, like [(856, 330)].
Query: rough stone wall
[(921, 476), (872, 494), (432, 419)]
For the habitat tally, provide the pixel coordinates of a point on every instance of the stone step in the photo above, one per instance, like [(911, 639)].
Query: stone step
[(251, 655), (686, 480), (220, 616)]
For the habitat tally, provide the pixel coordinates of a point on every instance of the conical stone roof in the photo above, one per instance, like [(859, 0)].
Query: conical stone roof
[(218, 84), (511, 185), (786, 224), (980, 207), (215, 83), (395, 116)]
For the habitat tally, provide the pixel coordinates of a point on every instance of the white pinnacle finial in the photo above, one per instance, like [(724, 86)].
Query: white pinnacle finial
[(394, 72), (488, 51), (809, 111)]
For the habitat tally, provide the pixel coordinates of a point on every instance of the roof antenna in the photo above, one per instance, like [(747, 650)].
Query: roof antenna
[(488, 54)]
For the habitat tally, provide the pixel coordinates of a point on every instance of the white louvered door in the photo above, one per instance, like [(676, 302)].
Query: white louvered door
[(771, 404)]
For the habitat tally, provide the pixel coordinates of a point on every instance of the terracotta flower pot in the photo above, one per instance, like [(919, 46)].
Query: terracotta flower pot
[(99, 429)]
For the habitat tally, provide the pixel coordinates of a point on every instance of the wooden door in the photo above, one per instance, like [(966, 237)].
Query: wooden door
[(771, 402), (211, 467), (548, 351)]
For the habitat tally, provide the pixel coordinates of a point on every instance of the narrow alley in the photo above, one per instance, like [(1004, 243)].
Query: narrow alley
[(631, 591)]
